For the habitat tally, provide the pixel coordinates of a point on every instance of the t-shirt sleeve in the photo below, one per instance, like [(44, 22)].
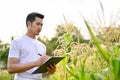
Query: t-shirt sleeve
[(14, 50), (44, 50)]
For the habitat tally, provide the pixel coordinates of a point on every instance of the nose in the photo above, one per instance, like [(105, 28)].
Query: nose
[(40, 26)]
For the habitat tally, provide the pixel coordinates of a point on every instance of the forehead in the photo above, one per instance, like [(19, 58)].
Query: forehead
[(37, 19)]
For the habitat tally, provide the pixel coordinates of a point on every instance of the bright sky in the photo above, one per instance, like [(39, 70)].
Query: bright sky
[(14, 12)]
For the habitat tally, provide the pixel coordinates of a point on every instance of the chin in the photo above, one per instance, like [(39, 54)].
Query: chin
[(36, 33)]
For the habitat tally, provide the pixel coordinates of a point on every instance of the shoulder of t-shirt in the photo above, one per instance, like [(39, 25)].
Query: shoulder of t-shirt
[(41, 43), (17, 39)]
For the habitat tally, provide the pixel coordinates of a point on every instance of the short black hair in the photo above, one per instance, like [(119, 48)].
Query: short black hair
[(31, 17)]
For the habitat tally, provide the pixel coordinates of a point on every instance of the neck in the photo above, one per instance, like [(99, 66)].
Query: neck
[(30, 35)]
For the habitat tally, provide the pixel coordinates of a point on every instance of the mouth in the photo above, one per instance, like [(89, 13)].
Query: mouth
[(38, 30)]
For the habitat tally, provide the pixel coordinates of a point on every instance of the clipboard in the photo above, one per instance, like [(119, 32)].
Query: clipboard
[(51, 60)]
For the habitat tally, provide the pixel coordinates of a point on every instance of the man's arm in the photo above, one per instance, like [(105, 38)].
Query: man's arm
[(15, 67)]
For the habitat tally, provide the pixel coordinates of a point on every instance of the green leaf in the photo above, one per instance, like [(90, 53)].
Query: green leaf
[(116, 68), (75, 61), (67, 39), (71, 71), (96, 77), (103, 52)]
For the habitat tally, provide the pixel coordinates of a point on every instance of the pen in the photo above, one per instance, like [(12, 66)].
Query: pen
[(39, 54)]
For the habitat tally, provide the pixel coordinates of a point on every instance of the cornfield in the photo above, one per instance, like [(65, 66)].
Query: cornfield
[(99, 59)]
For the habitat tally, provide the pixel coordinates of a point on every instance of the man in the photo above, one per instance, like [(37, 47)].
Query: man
[(26, 53)]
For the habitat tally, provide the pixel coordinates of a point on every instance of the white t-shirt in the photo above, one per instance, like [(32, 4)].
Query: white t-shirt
[(26, 50)]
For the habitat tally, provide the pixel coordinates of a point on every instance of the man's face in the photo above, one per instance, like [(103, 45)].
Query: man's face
[(36, 26)]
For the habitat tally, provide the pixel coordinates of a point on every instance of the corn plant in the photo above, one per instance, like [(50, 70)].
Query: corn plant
[(112, 60), (4, 75)]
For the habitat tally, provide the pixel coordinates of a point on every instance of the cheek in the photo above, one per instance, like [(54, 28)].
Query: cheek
[(34, 26), (31, 28)]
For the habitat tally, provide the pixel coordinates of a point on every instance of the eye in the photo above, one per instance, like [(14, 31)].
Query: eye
[(39, 24)]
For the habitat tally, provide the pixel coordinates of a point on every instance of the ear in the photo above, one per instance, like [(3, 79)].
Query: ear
[(28, 24)]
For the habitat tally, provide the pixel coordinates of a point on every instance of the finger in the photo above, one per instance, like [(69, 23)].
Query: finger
[(50, 70), (53, 67)]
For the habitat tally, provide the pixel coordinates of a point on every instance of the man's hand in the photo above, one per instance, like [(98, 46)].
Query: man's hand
[(51, 69), (41, 60)]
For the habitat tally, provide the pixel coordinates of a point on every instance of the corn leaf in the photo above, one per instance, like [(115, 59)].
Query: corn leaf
[(103, 52), (71, 71), (116, 68)]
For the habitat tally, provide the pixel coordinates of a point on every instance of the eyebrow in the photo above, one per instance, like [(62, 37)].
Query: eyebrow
[(39, 23)]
